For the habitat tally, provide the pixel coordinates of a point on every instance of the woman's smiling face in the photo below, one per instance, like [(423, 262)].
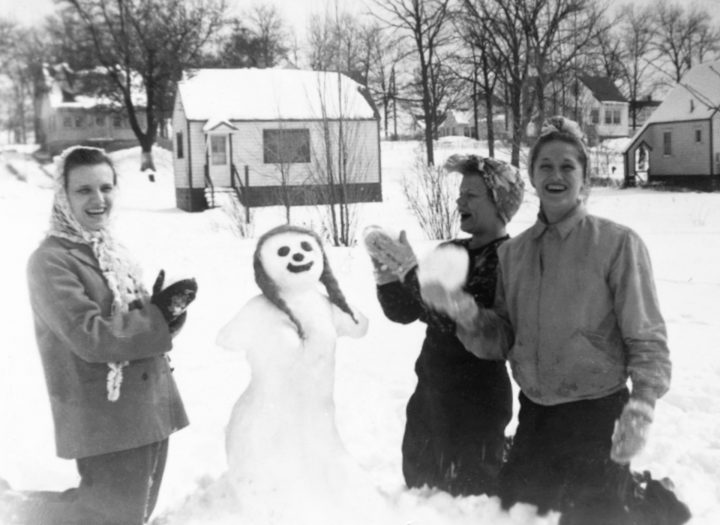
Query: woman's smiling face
[(91, 192), (558, 178)]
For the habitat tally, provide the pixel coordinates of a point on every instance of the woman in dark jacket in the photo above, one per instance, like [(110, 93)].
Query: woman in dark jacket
[(456, 418), (102, 341)]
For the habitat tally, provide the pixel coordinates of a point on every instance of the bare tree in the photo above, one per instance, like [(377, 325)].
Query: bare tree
[(675, 30), (149, 40), (426, 24), (636, 34), (271, 34)]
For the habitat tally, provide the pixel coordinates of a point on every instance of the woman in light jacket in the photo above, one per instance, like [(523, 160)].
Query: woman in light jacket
[(102, 341)]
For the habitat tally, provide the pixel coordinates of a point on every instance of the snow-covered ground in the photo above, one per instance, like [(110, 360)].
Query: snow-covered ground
[(374, 376)]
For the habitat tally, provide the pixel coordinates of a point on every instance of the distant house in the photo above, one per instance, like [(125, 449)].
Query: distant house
[(642, 108), (273, 134), (680, 142), (457, 122), (71, 113), (603, 107)]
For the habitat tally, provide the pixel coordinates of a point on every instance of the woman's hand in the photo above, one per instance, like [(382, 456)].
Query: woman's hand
[(631, 430), (173, 300)]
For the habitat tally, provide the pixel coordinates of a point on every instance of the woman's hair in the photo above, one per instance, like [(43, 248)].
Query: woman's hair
[(559, 128), (269, 287), (84, 156)]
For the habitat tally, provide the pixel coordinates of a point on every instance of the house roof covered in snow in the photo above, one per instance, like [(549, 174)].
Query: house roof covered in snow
[(272, 94), (83, 89), (695, 97), (603, 89)]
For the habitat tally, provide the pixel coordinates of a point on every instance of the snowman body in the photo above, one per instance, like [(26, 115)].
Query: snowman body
[(286, 461)]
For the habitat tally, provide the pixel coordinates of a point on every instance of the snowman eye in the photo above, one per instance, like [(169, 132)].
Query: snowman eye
[(283, 251), (306, 246)]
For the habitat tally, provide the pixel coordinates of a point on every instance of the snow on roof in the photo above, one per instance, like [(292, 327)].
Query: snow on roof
[(696, 97), (271, 94)]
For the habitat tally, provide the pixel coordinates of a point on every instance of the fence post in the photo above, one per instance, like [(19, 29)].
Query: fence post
[(247, 185)]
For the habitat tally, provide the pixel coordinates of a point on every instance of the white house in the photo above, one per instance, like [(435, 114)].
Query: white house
[(603, 107), (680, 142), (273, 135), (70, 113)]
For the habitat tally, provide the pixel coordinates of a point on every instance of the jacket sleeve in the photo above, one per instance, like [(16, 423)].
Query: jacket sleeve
[(401, 301), (492, 334), (62, 304), (641, 323)]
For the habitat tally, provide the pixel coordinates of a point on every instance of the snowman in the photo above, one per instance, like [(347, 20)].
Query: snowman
[(286, 461)]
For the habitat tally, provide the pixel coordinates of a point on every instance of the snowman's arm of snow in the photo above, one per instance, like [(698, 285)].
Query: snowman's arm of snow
[(244, 328), (346, 325)]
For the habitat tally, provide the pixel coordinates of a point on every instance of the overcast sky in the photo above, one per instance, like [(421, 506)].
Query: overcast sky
[(295, 12)]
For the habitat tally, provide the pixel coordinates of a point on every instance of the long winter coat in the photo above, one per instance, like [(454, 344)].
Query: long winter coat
[(77, 338)]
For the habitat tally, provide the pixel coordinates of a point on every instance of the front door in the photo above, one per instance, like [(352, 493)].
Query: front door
[(219, 159)]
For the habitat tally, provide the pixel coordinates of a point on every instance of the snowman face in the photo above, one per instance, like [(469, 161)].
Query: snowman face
[(292, 260)]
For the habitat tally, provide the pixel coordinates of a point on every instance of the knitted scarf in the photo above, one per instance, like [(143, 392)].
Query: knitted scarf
[(121, 273)]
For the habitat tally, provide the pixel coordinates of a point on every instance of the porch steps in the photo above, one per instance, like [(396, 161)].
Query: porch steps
[(219, 196)]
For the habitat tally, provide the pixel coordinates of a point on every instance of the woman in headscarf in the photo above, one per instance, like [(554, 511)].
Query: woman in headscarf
[(103, 341)]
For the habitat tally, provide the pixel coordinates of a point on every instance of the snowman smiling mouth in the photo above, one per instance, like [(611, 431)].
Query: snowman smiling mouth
[(300, 267)]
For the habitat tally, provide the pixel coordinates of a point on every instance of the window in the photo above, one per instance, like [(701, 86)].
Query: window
[(698, 135), (595, 116), (117, 121), (667, 142), (67, 122), (179, 145), (218, 150), (281, 146), (100, 120), (79, 121), (608, 116), (616, 116)]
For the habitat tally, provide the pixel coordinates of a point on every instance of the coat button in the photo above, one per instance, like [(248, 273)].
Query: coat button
[(144, 376)]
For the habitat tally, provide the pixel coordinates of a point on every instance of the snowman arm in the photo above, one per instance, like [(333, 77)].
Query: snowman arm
[(346, 325), (239, 333), (401, 302)]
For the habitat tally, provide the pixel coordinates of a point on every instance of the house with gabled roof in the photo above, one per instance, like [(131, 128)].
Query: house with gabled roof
[(680, 142), (73, 111), (272, 136), (603, 106)]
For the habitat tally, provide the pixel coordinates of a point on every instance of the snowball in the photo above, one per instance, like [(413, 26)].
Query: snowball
[(447, 265)]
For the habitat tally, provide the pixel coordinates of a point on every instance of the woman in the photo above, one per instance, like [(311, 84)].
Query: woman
[(576, 314), (102, 341), (456, 418)]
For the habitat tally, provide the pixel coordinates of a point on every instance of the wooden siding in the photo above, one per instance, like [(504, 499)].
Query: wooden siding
[(688, 157)]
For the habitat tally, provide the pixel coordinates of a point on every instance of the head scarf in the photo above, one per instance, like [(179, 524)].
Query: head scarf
[(503, 181), (121, 273)]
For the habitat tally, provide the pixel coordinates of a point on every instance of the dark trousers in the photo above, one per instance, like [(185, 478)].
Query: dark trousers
[(453, 440), (119, 488), (560, 460)]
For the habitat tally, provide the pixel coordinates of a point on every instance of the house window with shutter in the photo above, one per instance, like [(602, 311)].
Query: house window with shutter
[(595, 116), (179, 145), (285, 146), (667, 143)]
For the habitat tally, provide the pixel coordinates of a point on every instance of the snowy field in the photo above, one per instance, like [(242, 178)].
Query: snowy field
[(374, 376)]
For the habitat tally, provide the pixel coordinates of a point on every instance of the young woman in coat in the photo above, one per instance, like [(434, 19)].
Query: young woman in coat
[(102, 341), (456, 417)]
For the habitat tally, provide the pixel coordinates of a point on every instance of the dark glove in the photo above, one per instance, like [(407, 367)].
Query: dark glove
[(176, 324), (174, 299)]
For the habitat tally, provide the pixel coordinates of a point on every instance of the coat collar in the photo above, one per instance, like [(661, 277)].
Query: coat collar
[(564, 226), (80, 251)]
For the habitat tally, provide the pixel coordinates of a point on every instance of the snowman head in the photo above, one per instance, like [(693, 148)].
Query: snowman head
[(292, 259)]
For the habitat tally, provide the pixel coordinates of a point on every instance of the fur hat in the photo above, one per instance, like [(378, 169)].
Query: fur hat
[(505, 186)]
